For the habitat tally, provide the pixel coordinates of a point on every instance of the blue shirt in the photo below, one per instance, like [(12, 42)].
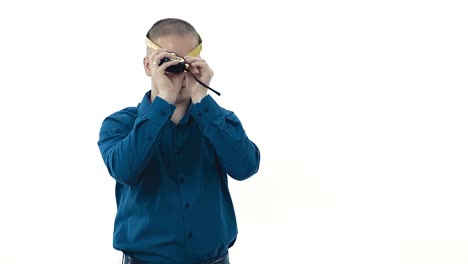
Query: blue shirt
[(173, 201)]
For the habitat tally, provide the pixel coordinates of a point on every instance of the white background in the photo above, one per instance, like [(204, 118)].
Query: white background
[(359, 109)]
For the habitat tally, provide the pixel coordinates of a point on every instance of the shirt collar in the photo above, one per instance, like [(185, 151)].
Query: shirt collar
[(186, 118)]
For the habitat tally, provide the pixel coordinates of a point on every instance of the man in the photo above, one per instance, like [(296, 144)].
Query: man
[(171, 155)]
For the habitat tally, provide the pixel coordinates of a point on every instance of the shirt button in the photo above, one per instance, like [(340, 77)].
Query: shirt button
[(189, 234), (187, 205), (163, 113), (150, 138), (207, 109), (178, 153)]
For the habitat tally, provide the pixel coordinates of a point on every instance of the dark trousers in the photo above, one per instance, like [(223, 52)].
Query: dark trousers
[(129, 260)]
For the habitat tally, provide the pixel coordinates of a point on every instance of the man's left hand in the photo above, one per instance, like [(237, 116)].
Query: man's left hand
[(202, 71)]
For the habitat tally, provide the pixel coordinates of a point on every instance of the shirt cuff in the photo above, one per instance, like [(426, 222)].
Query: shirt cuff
[(159, 111), (206, 110)]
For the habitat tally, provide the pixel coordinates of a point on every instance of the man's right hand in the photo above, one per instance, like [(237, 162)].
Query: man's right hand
[(162, 84)]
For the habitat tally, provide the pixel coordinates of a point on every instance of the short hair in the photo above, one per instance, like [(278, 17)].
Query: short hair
[(168, 26)]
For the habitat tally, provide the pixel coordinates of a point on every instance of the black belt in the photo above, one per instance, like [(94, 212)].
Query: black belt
[(129, 260)]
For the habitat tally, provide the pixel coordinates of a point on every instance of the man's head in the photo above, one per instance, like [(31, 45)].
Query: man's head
[(170, 26), (176, 36)]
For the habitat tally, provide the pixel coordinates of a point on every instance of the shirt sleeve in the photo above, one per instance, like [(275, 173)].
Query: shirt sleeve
[(126, 139), (239, 156)]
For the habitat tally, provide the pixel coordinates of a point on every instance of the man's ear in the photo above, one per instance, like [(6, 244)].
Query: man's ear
[(147, 65)]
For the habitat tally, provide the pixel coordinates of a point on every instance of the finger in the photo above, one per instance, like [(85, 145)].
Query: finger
[(190, 59), (158, 56), (155, 53), (199, 66), (193, 69)]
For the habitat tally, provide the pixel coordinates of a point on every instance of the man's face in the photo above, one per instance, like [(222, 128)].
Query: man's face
[(181, 45)]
